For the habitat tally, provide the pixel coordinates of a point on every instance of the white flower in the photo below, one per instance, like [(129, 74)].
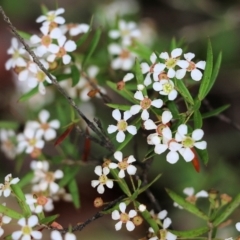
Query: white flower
[(189, 142), (142, 207), (45, 42), (29, 140), (74, 28), (55, 235), (196, 74), (62, 50), (122, 125), (52, 17), (5, 188), (145, 103), (124, 60), (124, 164), (166, 88), (173, 60), (154, 69), (3, 220), (127, 31), (27, 232), (44, 128), (103, 179), (17, 53), (8, 145), (124, 217)]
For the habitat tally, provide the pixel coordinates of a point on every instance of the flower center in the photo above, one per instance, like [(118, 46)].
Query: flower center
[(125, 32), (188, 142), (171, 62), (124, 217), (32, 142), (51, 17), (159, 129), (124, 164), (103, 179), (163, 75), (167, 88), (26, 230), (122, 125), (46, 40), (124, 54), (52, 25), (49, 177), (16, 54), (40, 76), (191, 199), (41, 200), (145, 103), (45, 126), (61, 52), (191, 66)]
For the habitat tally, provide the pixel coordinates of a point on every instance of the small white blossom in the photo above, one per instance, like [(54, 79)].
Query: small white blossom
[(196, 74), (74, 28), (173, 60), (124, 217), (144, 105), (103, 179), (27, 232), (5, 189), (238, 226), (122, 125), (124, 164), (8, 143), (142, 207), (189, 142), (55, 235), (52, 17), (3, 220)]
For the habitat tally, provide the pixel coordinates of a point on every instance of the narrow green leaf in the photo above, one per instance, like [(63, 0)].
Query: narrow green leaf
[(203, 154), (141, 50), (227, 211), (49, 220), (44, 9), (206, 81), (216, 111), (21, 199), (143, 189), (124, 93), (172, 106), (197, 104), (10, 213), (24, 35), (69, 173), (9, 125), (139, 76), (75, 75), (182, 89), (197, 118), (173, 44), (28, 95), (129, 136), (191, 233), (63, 76), (186, 205), (26, 179), (73, 189), (93, 46), (118, 106)]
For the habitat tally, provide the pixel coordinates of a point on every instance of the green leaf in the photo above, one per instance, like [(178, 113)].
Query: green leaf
[(191, 233), (9, 125), (26, 179), (28, 95), (93, 46), (143, 189), (215, 72), (234, 204), (141, 50), (21, 200), (172, 106), (182, 89), (73, 189), (49, 220), (63, 76), (139, 76), (173, 44), (129, 136), (186, 205), (206, 81), (203, 154), (124, 93), (44, 9), (69, 173), (75, 74), (24, 35), (118, 106), (216, 111), (10, 213), (197, 118)]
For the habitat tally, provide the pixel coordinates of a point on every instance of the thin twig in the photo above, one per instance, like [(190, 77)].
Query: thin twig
[(105, 141)]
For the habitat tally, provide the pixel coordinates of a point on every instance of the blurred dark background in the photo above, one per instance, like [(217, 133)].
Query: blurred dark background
[(194, 21)]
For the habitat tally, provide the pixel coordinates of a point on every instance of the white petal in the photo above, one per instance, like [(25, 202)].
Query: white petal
[(126, 115), (172, 95), (100, 189), (58, 174), (128, 77), (131, 170), (44, 116), (116, 114), (180, 73), (113, 165), (171, 73), (114, 34), (114, 49), (130, 226), (153, 58), (115, 215), (147, 80), (157, 103), (157, 86), (121, 173), (196, 75), (144, 67), (176, 52), (50, 134), (182, 129), (122, 207), (201, 145), (94, 183), (201, 65), (162, 214), (120, 136), (118, 225), (189, 191), (109, 184), (132, 129), (172, 157), (166, 223), (16, 235), (70, 236), (166, 117), (164, 55), (66, 59), (238, 226), (135, 109), (201, 194), (35, 39), (183, 63), (149, 125), (132, 213), (197, 134), (36, 234), (159, 67), (112, 129), (145, 115), (32, 221), (131, 159), (187, 154), (160, 148), (70, 46), (138, 95), (119, 156), (189, 56), (98, 170)]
